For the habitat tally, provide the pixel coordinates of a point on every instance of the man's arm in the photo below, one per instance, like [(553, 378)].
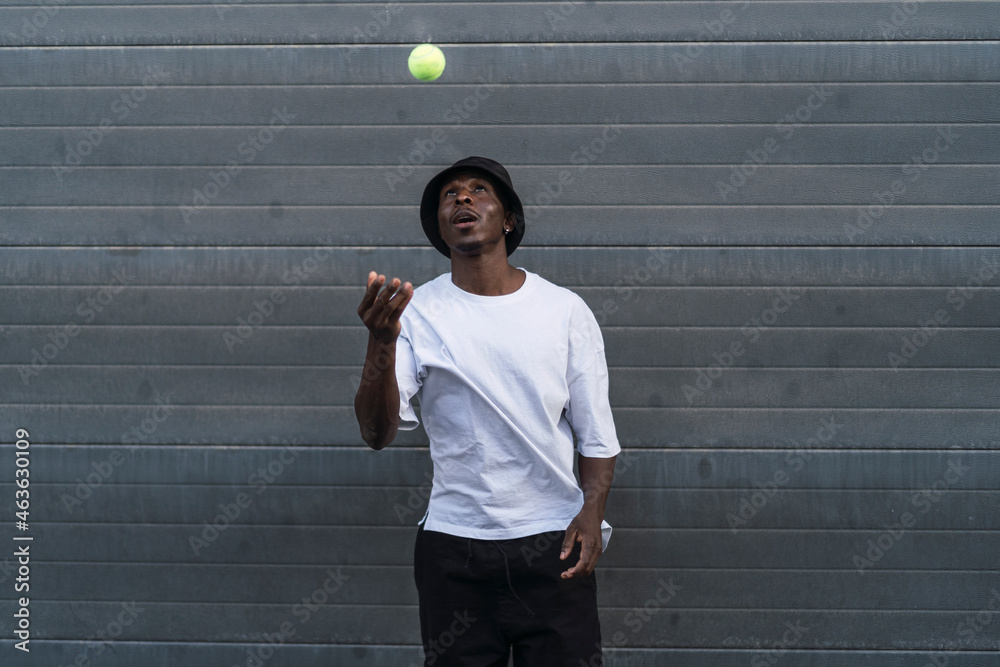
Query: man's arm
[(595, 480), (376, 404)]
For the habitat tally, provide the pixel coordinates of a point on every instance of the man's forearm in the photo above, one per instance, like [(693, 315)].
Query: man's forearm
[(376, 404), (595, 480)]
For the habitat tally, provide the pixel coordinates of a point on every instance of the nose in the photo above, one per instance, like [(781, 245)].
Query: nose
[(464, 196)]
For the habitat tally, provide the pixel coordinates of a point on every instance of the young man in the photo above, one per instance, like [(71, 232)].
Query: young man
[(504, 363)]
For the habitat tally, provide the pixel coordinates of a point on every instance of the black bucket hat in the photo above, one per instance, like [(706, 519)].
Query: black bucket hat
[(500, 177)]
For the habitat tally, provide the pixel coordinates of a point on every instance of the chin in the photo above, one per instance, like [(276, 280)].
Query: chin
[(471, 249), (474, 247)]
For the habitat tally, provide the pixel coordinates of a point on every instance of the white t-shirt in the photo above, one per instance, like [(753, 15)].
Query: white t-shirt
[(500, 380)]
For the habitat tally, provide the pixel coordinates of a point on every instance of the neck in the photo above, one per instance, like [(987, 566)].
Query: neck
[(485, 275)]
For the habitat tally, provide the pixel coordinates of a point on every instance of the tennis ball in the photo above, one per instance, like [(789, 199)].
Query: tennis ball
[(426, 62)]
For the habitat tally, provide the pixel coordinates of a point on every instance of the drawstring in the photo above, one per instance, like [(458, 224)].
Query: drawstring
[(509, 583), (506, 567)]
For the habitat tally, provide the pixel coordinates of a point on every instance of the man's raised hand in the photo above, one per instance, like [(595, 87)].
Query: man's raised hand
[(377, 401), (381, 311)]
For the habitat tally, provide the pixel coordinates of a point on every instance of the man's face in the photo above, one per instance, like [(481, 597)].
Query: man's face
[(471, 215)]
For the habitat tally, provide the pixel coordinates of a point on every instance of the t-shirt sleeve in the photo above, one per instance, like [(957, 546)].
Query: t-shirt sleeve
[(589, 410), (407, 380)]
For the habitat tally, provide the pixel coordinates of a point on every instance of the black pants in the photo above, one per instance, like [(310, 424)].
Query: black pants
[(481, 598)]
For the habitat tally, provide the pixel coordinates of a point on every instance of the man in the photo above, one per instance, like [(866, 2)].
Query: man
[(504, 364)]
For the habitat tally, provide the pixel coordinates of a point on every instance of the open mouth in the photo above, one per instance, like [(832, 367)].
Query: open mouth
[(464, 219)]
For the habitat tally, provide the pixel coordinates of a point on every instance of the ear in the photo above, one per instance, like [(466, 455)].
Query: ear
[(512, 219)]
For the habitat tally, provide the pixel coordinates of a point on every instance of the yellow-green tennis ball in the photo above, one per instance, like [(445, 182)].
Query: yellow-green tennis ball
[(426, 62)]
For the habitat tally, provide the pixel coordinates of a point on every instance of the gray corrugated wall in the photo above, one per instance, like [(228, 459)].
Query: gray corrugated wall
[(169, 170)]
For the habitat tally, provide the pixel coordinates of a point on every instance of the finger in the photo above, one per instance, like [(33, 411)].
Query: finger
[(389, 291), (399, 301), (568, 542), (386, 311), (374, 284), (573, 571), (389, 300), (587, 557), (375, 307), (585, 565)]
